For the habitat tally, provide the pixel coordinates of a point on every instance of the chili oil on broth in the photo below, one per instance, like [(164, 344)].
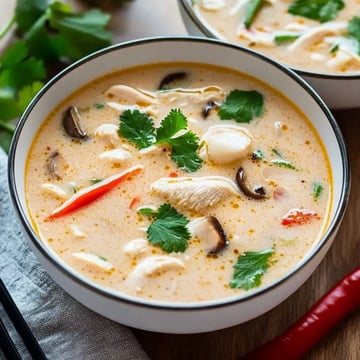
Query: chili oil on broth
[(317, 53), (105, 226)]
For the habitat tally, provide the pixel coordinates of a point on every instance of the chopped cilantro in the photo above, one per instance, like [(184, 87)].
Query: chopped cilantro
[(354, 30), (98, 106), (277, 152), (317, 189), (249, 268), (283, 163), (321, 10), (168, 229), (257, 155), (242, 106), (334, 49), (139, 129)]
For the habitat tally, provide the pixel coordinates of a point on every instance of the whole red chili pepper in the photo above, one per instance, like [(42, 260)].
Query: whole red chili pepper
[(338, 302)]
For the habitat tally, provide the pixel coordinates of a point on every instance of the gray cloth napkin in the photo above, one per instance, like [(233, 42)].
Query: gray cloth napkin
[(64, 328)]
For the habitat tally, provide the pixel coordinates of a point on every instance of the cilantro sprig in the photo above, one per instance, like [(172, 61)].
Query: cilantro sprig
[(49, 35), (321, 10), (249, 268), (138, 128), (168, 230), (242, 106)]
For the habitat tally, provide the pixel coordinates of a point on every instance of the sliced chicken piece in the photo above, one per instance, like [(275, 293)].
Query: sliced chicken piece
[(77, 232), (135, 247), (109, 132), (212, 4), (93, 259), (317, 34), (195, 192), (55, 190), (225, 143), (116, 155), (124, 94), (153, 266)]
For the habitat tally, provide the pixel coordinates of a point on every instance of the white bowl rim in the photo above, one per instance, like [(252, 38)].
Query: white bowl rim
[(303, 72), (194, 306)]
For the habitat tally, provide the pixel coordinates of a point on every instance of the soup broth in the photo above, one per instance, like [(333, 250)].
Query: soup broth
[(224, 185), (319, 36)]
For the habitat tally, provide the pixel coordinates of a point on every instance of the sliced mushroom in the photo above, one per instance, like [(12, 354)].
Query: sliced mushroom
[(53, 165), (195, 192), (172, 78), (258, 193), (72, 123), (210, 232), (225, 143), (153, 266)]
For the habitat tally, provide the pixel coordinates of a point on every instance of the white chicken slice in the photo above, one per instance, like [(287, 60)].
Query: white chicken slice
[(317, 34), (153, 266), (195, 192), (96, 260), (212, 4), (124, 94), (135, 247), (116, 155), (225, 143), (109, 132), (55, 190)]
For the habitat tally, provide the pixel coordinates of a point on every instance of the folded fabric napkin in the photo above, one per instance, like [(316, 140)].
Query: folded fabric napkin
[(64, 328)]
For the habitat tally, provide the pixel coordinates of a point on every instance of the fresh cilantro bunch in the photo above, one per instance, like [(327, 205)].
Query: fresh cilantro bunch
[(47, 34), (249, 268), (139, 129), (168, 229), (321, 10)]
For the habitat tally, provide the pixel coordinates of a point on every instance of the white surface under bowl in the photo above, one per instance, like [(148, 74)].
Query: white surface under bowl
[(339, 91), (153, 315)]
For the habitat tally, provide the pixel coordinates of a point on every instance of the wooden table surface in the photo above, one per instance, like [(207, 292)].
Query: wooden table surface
[(142, 18)]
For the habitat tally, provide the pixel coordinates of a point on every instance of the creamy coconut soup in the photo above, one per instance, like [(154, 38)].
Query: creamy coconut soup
[(180, 182), (315, 35)]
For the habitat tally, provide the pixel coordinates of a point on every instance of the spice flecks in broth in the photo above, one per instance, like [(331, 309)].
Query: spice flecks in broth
[(175, 165)]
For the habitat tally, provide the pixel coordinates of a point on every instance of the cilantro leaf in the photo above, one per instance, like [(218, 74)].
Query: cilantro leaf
[(242, 106), (354, 30), (317, 189), (27, 12), (184, 147), (184, 152), (137, 128), (249, 268), (168, 230), (321, 10), (172, 123)]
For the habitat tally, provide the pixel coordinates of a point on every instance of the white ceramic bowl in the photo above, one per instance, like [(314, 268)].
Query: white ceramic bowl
[(168, 317), (339, 91)]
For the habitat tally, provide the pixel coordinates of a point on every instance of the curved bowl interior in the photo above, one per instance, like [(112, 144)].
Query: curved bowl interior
[(177, 318), (339, 91)]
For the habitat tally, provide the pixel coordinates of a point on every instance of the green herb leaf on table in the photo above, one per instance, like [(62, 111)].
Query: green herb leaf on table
[(242, 106), (354, 30), (169, 228), (321, 10), (249, 268)]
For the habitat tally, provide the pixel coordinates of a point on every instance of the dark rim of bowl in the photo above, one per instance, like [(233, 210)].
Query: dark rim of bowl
[(185, 4), (93, 287)]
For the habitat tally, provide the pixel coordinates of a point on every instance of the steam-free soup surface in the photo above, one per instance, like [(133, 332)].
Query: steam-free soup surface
[(217, 198), (321, 36)]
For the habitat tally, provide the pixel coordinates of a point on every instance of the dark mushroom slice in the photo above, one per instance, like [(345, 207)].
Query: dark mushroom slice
[(211, 234), (72, 123), (52, 165), (258, 193), (208, 107), (170, 78)]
